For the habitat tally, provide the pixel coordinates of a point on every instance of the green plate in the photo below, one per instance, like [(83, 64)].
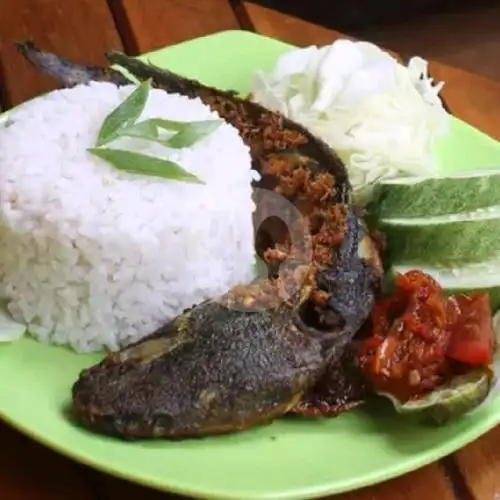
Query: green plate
[(289, 459)]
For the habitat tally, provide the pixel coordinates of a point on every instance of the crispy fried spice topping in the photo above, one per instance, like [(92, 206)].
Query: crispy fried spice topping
[(300, 180), (312, 194), (293, 286), (263, 133)]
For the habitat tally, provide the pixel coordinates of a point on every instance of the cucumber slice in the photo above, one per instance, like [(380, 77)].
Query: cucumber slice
[(427, 197), (443, 240), (481, 277)]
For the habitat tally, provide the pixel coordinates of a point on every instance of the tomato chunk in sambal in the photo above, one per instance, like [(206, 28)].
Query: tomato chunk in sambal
[(419, 338)]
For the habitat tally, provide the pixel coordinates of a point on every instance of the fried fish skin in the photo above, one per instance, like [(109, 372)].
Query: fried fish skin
[(222, 367), (212, 370), (342, 388)]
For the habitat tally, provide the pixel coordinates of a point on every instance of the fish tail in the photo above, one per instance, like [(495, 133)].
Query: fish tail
[(66, 72)]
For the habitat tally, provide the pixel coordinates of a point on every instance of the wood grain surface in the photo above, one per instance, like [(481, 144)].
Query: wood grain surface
[(28, 471), (428, 483), (479, 464), (83, 30), (418, 485), (150, 24)]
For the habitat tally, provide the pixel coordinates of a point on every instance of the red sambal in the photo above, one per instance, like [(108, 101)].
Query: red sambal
[(419, 338)]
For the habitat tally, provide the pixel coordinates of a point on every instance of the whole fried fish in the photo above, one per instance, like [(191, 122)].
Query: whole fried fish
[(227, 364), (261, 350), (212, 370)]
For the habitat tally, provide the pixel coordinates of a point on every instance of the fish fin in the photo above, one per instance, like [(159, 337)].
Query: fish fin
[(164, 341)]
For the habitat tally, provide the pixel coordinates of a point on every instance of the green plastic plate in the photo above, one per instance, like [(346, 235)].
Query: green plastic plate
[(288, 459)]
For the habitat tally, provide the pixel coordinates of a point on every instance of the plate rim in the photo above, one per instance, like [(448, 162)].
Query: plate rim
[(418, 461), (324, 489)]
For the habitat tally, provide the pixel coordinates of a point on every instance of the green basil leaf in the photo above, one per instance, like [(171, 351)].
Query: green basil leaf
[(128, 161), (125, 114)]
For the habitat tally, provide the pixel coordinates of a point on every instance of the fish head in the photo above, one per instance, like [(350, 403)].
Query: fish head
[(351, 286)]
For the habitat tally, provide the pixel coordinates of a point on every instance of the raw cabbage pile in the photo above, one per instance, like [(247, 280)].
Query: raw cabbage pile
[(380, 116)]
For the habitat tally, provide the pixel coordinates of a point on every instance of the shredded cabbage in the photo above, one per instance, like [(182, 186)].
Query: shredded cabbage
[(381, 117)]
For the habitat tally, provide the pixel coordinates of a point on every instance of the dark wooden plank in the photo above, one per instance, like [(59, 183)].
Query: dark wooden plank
[(435, 37), (82, 30), (428, 483), (360, 14), (473, 98), (123, 490), (28, 471), (288, 28), (479, 464), (152, 24)]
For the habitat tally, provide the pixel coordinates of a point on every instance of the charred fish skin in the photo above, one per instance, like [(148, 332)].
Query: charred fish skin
[(212, 370), (342, 388), (352, 285), (267, 133)]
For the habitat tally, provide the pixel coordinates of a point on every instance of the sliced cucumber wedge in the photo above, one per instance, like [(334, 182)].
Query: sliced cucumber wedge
[(443, 240), (427, 197), (483, 277)]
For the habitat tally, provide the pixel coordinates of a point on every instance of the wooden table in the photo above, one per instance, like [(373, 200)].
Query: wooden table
[(83, 30)]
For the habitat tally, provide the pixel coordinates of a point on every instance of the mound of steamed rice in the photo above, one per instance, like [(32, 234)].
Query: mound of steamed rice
[(94, 257)]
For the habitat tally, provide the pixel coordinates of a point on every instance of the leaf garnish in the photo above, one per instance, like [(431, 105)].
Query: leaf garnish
[(143, 130), (122, 123), (125, 115), (186, 133), (128, 161)]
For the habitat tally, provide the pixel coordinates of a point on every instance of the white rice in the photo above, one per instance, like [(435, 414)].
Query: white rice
[(93, 257)]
